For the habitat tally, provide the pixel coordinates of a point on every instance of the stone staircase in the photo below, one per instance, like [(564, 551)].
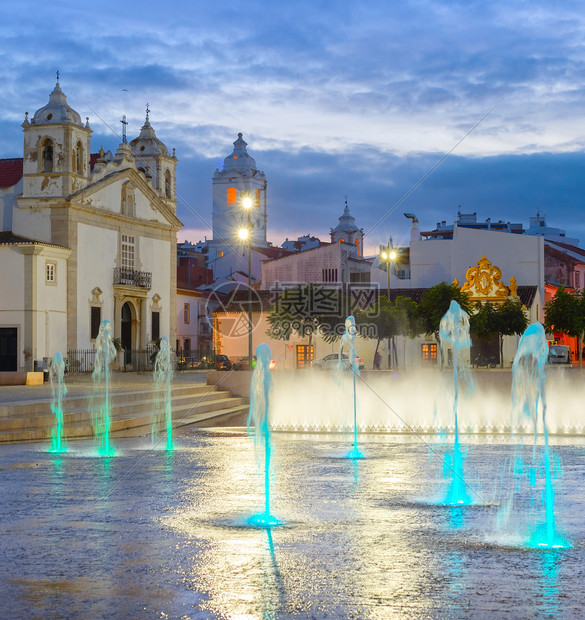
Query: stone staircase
[(131, 413)]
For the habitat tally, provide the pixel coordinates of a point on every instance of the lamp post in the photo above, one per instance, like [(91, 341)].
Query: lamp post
[(245, 234), (388, 255)]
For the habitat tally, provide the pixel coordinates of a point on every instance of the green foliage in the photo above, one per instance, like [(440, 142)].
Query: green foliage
[(117, 342), (507, 319), (435, 302), (290, 314), (511, 318), (565, 313)]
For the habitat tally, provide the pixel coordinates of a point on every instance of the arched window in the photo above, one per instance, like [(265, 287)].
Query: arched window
[(168, 186), (258, 198), (47, 156), (231, 195), (79, 158), (128, 202)]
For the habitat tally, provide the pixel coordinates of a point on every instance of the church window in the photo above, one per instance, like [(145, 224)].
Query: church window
[(51, 273), (168, 186), (258, 198), (79, 158), (95, 320), (329, 275), (128, 252), (47, 156), (128, 201), (357, 246), (155, 325), (342, 240), (232, 195)]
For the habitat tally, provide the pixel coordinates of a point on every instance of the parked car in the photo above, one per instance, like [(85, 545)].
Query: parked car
[(481, 359), (222, 362), (244, 364), (331, 362), (559, 354)]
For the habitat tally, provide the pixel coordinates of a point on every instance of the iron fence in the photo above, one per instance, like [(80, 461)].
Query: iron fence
[(139, 360)]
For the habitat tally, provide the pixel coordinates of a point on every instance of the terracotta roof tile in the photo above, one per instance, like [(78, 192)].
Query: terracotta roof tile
[(7, 237)]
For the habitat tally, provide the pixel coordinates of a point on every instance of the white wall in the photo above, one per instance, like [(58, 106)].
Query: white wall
[(96, 256), (443, 260), (155, 257)]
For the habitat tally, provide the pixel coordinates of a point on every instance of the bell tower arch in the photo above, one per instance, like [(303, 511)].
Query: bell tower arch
[(56, 150)]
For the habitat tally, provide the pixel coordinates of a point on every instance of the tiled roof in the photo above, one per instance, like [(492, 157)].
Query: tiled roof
[(272, 252), (527, 294), (10, 171), (566, 247), (7, 237)]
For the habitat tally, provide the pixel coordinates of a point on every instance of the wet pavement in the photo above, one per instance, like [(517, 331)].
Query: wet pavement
[(151, 534)]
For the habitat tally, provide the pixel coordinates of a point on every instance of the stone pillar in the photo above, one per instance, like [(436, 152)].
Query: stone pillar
[(31, 309)]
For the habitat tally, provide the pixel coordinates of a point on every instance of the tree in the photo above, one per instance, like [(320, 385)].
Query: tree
[(435, 303), (511, 320), (566, 313), (292, 313), (385, 319), (378, 316), (505, 319)]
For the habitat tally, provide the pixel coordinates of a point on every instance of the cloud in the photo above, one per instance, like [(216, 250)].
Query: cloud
[(334, 98)]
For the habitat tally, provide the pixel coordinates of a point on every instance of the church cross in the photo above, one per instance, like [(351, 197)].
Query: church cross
[(124, 123)]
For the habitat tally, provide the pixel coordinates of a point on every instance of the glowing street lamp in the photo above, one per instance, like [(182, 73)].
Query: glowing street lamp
[(389, 255), (245, 234)]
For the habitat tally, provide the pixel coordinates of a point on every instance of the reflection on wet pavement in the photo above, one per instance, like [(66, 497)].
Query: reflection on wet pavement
[(164, 534)]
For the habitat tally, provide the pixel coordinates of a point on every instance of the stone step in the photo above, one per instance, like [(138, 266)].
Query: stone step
[(40, 406), (131, 413), (130, 427), (117, 410)]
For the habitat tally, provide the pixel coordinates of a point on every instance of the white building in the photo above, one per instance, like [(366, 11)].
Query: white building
[(87, 237), (239, 179)]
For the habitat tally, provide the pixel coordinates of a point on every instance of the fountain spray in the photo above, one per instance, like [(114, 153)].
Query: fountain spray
[(58, 391), (528, 398), (101, 413), (258, 416), (163, 374), (348, 339), (454, 333)]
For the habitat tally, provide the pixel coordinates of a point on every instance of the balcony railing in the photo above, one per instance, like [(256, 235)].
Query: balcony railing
[(131, 277)]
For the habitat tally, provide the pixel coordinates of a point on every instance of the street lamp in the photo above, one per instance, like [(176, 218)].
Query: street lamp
[(245, 234), (388, 255)]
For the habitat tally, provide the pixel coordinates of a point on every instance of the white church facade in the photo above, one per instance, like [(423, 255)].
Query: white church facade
[(84, 238)]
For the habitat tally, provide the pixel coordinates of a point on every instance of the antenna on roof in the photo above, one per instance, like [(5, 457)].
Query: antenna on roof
[(124, 123)]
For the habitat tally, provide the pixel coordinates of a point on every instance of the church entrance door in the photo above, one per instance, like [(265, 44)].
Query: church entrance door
[(8, 349), (126, 333)]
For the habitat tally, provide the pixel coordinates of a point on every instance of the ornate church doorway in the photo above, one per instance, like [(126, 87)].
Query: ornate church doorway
[(126, 333)]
